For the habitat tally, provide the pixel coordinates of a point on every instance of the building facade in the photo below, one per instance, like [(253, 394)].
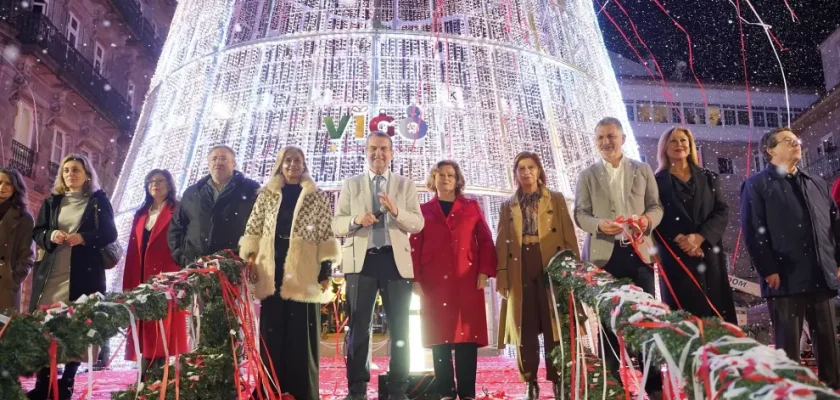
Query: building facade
[(819, 125), (727, 131), (72, 80)]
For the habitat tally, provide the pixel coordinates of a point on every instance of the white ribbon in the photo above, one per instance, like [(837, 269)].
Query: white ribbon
[(560, 336), (90, 372)]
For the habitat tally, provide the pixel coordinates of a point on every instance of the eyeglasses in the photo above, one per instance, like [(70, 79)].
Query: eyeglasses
[(791, 141), (159, 182)]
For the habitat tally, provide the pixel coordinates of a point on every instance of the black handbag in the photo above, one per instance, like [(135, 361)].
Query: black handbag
[(111, 253)]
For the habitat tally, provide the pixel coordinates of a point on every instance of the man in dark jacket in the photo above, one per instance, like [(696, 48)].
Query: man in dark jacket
[(213, 212), (791, 228)]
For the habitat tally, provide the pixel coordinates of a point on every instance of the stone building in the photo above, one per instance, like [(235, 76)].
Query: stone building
[(72, 80), (819, 125)]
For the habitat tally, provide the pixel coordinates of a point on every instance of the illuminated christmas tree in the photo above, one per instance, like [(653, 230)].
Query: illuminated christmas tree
[(472, 80)]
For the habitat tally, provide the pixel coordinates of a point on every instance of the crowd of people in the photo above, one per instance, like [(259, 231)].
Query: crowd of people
[(442, 250)]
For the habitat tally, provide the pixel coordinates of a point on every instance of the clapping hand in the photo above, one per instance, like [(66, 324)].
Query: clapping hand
[(365, 220), (386, 201)]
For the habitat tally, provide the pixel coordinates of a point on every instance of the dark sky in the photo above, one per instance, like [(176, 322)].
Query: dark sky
[(713, 26)]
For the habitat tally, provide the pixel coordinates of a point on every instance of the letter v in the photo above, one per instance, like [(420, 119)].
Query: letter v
[(342, 125)]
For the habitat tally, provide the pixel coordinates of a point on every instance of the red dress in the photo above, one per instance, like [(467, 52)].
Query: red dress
[(448, 254), (158, 259)]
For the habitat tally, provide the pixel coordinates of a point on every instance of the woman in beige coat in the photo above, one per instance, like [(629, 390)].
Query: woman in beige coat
[(534, 225)]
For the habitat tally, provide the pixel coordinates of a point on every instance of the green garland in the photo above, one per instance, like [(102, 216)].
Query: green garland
[(741, 366), (207, 373)]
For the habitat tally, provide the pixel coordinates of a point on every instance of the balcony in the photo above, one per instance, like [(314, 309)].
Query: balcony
[(39, 37), (133, 18), (23, 158), (828, 166)]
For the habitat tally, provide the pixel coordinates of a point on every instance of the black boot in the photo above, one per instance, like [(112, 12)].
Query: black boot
[(532, 391), (65, 388), (42, 385)]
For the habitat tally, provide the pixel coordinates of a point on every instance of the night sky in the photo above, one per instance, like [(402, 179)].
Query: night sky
[(713, 27)]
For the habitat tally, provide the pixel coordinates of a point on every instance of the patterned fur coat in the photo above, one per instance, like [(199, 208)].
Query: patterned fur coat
[(312, 240)]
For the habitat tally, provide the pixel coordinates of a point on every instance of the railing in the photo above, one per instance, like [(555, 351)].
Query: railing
[(53, 170), (133, 18), (23, 158), (828, 166), (36, 30)]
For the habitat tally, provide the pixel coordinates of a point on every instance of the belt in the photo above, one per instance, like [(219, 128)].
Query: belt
[(530, 240), (381, 250)]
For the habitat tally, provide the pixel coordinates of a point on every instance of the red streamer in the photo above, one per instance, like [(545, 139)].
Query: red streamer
[(53, 369)]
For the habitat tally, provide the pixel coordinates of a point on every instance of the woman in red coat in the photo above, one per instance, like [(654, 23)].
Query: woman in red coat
[(453, 256), (148, 255)]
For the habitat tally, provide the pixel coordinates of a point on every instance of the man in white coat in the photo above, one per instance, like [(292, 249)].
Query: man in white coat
[(613, 187), (375, 213)]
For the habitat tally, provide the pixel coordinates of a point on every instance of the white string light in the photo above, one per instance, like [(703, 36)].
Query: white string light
[(490, 79)]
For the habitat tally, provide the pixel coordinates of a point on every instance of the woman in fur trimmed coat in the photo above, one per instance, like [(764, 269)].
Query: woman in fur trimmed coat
[(290, 241)]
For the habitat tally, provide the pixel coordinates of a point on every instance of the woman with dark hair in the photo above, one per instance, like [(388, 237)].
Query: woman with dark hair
[(453, 256), (534, 224), (74, 224), (16, 256), (148, 255), (693, 225)]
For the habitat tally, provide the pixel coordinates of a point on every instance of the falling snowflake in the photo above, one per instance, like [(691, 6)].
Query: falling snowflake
[(11, 53)]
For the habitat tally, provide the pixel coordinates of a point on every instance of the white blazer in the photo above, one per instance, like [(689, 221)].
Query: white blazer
[(356, 199)]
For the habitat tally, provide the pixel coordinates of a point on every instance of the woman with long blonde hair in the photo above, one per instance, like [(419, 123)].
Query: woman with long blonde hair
[(693, 225), (74, 224)]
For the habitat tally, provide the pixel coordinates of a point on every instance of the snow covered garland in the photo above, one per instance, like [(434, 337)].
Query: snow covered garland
[(222, 334), (706, 358)]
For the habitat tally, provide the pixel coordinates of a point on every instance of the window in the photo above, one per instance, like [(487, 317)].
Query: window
[(695, 115), (772, 119), (676, 114), (715, 116), (758, 162), (57, 146), (643, 112), (729, 118), (98, 58), (826, 146), (660, 113), (643, 158), (41, 6), (725, 166), (758, 119), (131, 94), (631, 111), (743, 117), (73, 31), (24, 124)]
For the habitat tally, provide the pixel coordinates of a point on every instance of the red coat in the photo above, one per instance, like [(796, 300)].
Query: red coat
[(448, 254), (158, 260), (835, 192)]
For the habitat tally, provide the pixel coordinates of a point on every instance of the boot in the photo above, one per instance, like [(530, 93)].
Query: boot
[(532, 391), (65, 388), (556, 387), (42, 385)]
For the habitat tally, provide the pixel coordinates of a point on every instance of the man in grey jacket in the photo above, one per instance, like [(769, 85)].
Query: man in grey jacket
[(613, 187)]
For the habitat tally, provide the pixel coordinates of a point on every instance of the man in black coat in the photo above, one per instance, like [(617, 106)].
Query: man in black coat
[(791, 228), (213, 212)]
